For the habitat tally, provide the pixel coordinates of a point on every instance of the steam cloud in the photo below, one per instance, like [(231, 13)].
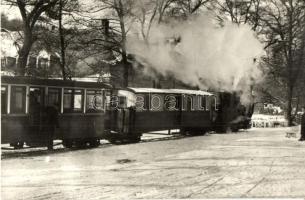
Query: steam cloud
[(206, 55)]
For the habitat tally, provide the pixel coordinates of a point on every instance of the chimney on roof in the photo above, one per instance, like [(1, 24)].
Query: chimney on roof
[(105, 26)]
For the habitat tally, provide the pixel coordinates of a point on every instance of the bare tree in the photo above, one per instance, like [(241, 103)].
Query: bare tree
[(280, 23), (30, 11), (283, 26), (61, 9), (239, 12)]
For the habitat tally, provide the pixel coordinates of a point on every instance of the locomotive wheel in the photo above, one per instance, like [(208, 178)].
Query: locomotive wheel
[(81, 144), (135, 139), (228, 130), (234, 129)]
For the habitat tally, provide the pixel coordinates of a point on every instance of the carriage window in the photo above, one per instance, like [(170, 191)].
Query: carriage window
[(18, 99), (156, 102), (214, 103), (36, 95), (172, 102), (142, 102), (54, 97), (208, 102), (94, 101), (108, 95), (202, 103), (188, 104), (3, 100), (73, 100), (122, 102)]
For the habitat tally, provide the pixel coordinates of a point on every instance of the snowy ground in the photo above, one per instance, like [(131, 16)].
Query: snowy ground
[(253, 163)]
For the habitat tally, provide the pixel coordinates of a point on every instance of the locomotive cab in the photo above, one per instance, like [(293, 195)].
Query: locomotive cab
[(231, 114)]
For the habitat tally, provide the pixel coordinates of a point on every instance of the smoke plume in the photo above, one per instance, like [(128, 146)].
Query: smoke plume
[(200, 53)]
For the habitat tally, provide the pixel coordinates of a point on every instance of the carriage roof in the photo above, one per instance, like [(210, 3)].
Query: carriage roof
[(51, 82), (169, 91)]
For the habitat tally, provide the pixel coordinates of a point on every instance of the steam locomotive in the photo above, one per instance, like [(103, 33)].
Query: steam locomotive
[(89, 111)]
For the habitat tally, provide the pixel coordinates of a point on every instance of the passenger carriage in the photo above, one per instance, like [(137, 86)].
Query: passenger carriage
[(134, 111), (80, 107), (89, 111)]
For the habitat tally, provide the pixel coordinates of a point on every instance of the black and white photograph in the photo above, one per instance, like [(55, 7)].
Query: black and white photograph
[(152, 99)]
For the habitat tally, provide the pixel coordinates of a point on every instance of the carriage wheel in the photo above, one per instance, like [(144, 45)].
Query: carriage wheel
[(67, 143), (113, 141), (184, 132), (17, 145), (94, 143)]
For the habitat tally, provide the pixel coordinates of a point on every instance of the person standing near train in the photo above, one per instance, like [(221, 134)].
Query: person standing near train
[(303, 125), (51, 122)]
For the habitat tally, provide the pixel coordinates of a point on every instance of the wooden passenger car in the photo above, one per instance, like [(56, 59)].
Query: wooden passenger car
[(139, 110), (80, 107)]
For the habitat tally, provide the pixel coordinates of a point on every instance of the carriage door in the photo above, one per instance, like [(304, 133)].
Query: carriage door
[(36, 107)]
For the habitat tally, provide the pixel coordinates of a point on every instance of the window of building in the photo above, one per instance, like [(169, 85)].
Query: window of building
[(32, 62), (43, 63), (3, 63), (3, 100), (18, 98), (11, 62), (8, 63), (54, 97), (94, 101), (73, 100)]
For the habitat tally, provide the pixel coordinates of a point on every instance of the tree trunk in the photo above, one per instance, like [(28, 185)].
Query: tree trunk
[(126, 69), (289, 104), (120, 12), (24, 53), (62, 43)]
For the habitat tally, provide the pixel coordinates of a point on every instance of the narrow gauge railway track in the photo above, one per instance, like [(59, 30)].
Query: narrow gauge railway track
[(10, 152)]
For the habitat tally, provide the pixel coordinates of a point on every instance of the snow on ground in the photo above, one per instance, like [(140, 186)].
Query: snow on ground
[(253, 163)]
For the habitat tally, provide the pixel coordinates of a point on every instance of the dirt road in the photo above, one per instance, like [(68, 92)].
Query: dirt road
[(254, 163)]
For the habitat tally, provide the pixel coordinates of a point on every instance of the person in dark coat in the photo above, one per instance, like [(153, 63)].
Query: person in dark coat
[(51, 122), (35, 110), (303, 125)]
